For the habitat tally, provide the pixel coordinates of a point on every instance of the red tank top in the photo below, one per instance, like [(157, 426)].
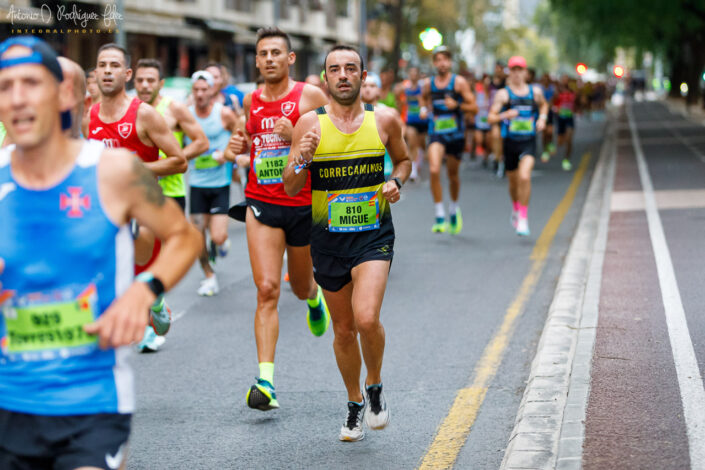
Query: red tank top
[(566, 101), (122, 133), (270, 152)]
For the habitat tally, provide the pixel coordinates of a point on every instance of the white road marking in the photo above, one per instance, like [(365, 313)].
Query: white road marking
[(623, 201), (689, 380), (177, 315)]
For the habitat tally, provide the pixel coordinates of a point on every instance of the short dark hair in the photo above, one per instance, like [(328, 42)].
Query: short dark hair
[(150, 64), (112, 45), (273, 32), (344, 47)]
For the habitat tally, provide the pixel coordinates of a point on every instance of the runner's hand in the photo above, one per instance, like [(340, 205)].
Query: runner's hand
[(124, 321), (511, 114), (219, 156), (308, 145), (284, 128), (450, 102), (238, 142), (390, 191), (540, 125)]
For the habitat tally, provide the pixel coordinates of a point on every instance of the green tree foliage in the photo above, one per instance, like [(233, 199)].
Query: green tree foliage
[(673, 29)]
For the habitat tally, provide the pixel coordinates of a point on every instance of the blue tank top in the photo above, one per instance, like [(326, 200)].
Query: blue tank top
[(412, 105), (445, 122), (522, 127), (548, 92), (65, 262), (206, 172)]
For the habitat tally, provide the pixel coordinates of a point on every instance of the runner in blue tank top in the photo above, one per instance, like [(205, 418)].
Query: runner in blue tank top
[(68, 305), (416, 128), (446, 97), (516, 106)]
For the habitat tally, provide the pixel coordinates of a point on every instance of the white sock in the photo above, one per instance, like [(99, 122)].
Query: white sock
[(452, 207), (440, 212)]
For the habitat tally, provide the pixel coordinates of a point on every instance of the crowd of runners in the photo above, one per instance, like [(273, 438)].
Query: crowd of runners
[(107, 199)]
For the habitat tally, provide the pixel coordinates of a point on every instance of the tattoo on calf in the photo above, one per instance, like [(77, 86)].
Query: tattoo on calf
[(145, 179)]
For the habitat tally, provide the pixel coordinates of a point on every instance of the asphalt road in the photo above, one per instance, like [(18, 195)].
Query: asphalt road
[(445, 300)]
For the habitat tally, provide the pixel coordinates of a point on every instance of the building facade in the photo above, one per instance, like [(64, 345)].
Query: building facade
[(186, 34)]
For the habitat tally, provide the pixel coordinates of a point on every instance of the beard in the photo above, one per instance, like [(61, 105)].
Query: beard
[(346, 97)]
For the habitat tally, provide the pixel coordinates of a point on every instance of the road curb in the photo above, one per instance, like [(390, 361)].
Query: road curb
[(550, 426)]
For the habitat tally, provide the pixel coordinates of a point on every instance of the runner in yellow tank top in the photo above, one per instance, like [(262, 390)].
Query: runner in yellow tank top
[(148, 84), (342, 146)]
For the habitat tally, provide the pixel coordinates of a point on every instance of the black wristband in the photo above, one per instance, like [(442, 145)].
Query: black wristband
[(153, 283), (397, 181)]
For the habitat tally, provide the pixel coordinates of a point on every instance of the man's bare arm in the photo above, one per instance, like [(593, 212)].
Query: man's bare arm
[(495, 115), (304, 142), (463, 87), (193, 130), (161, 136), (128, 190)]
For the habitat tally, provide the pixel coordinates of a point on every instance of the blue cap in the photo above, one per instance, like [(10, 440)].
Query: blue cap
[(41, 54)]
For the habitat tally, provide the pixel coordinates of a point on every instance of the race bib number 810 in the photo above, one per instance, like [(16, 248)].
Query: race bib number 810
[(353, 212)]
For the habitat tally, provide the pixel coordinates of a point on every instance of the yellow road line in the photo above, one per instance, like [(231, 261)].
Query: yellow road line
[(453, 431)]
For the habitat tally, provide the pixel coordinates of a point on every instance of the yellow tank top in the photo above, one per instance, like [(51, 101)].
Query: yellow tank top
[(347, 174), (172, 185)]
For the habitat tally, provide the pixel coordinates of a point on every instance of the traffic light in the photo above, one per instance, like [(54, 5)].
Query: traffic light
[(618, 71), (581, 68)]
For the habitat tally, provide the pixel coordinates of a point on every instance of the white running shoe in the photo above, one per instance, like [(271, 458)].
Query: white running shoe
[(377, 413), (209, 287), (523, 226), (352, 428)]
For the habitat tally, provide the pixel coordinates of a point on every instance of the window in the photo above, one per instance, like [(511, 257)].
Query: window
[(239, 5), (342, 7)]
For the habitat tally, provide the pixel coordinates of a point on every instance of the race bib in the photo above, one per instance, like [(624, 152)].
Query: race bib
[(269, 165), (445, 123), (206, 161), (353, 212), (43, 326), (565, 112), (521, 125)]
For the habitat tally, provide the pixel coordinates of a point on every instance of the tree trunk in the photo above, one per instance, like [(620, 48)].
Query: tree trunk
[(398, 31)]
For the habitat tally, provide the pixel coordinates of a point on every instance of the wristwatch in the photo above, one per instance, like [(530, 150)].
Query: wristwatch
[(153, 283), (397, 181)]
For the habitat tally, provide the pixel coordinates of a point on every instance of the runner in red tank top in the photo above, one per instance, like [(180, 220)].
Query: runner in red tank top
[(121, 121), (269, 148), (275, 221)]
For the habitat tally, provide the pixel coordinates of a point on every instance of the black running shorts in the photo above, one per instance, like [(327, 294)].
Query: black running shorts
[(454, 148), (29, 442), (564, 123), (294, 220), (210, 200), (333, 273), (421, 127), (515, 150)]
